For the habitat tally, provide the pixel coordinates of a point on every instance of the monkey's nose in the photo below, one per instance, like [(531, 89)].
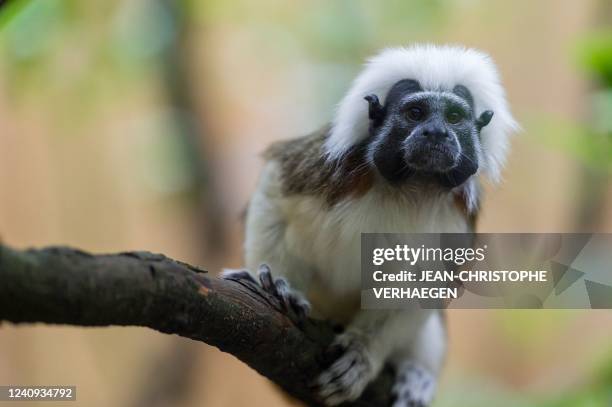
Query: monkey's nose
[(435, 132)]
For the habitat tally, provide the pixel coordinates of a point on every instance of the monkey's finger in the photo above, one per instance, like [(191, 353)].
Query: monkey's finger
[(292, 300), (336, 377), (300, 306), (283, 292), (340, 389), (345, 393), (327, 387), (266, 280), (233, 274)]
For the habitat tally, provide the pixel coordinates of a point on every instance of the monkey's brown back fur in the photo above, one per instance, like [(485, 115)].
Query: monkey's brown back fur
[(305, 170)]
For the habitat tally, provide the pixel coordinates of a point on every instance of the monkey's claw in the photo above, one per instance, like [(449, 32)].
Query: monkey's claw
[(346, 378), (414, 387), (290, 299)]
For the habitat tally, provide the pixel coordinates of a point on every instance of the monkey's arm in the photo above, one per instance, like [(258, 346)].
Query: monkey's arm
[(266, 229)]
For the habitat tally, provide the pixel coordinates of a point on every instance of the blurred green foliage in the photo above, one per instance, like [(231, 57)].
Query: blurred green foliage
[(70, 48), (332, 30), (596, 57), (92, 57), (595, 393), (595, 54), (590, 141), (592, 148)]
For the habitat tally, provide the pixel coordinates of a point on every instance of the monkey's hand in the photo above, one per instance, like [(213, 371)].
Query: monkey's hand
[(292, 301), (348, 375)]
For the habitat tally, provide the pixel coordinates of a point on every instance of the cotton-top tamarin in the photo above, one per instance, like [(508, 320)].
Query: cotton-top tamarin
[(405, 152)]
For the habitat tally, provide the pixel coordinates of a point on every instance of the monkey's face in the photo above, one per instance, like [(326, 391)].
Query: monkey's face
[(425, 133)]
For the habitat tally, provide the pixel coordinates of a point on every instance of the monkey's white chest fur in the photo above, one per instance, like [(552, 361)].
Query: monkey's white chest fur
[(330, 238), (317, 247)]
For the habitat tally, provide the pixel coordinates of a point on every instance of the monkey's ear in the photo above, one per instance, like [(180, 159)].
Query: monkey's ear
[(484, 119), (376, 111)]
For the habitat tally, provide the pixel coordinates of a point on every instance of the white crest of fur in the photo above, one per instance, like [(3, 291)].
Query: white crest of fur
[(436, 68)]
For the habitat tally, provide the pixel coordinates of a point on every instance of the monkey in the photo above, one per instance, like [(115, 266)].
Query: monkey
[(406, 151)]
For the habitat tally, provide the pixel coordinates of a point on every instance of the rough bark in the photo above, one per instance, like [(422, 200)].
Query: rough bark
[(61, 285)]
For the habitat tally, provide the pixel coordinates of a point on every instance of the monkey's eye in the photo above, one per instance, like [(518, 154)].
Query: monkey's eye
[(454, 116), (415, 113)]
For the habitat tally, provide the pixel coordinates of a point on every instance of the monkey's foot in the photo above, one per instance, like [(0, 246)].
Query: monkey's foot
[(346, 378), (289, 299), (414, 386)]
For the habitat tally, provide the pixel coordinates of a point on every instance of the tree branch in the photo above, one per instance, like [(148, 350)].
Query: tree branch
[(61, 285)]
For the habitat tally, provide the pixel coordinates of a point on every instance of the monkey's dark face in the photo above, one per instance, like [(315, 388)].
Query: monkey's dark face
[(431, 134)]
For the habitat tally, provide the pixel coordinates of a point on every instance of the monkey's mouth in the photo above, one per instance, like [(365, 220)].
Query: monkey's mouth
[(431, 157)]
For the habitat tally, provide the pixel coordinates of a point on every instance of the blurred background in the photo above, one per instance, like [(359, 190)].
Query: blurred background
[(133, 124)]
